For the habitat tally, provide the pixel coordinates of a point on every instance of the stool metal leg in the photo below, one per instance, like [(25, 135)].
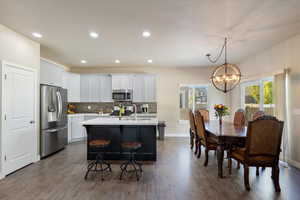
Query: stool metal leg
[(137, 167), (99, 162)]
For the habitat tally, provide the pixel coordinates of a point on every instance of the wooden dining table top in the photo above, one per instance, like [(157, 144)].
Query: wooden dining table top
[(226, 129)]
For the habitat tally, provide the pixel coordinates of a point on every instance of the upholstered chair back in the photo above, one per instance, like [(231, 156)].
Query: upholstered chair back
[(264, 139), (205, 114)]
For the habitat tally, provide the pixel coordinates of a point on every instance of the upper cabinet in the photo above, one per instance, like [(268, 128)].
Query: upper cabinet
[(120, 82), (95, 88), (71, 82), (105, 88), (144, 88), (51, 74), (98, 87)]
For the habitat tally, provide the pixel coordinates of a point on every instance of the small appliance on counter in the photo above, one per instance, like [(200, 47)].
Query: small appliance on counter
[(128, 110), (145, 108), (54, 119)]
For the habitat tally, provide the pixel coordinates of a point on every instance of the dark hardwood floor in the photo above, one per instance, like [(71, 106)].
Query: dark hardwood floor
[(177, 174)]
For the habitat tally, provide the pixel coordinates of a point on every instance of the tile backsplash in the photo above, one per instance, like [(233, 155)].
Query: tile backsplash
[(106, 107)]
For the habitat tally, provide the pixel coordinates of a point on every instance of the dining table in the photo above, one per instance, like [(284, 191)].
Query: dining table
[(227, 135)]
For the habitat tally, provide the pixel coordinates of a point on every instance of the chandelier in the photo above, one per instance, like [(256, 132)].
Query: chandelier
[(226, 76)]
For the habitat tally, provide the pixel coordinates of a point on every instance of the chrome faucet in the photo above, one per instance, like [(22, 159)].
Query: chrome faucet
[(135, 111)]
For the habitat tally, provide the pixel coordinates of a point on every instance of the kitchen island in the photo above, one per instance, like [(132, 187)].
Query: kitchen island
[(117, 130)]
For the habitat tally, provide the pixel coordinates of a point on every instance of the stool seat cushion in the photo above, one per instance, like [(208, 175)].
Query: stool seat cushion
[(131, 145), (99, 143)]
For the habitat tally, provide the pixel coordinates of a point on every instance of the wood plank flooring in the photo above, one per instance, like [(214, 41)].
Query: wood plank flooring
[(177, 175)]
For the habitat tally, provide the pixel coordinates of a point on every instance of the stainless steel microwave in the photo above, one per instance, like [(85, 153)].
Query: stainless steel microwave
[(122, 95)]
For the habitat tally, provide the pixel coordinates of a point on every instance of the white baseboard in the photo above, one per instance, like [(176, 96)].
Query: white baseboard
[(37, 158), (1, 176), (294, 163), (176, 135)]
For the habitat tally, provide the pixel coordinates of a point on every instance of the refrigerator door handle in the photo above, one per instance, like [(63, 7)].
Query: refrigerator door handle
[(59, 102), (55, 130)]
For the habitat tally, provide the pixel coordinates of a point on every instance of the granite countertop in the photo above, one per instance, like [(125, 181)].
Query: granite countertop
[(123, 121)]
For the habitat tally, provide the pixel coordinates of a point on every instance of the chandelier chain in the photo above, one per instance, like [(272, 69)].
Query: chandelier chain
[(224, 47)]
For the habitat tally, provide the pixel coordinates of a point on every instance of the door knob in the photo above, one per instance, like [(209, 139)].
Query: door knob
[(32, 122)]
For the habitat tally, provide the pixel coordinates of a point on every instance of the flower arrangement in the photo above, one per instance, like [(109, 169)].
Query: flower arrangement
[(220, 111)]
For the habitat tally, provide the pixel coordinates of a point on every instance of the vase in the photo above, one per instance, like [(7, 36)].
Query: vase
[(220, 120)]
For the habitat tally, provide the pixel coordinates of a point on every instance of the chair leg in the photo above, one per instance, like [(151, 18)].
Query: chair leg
[(276, 178), (238, 165), (230, 165), (206, 157), (196, 145), (199, 151), (246, 177), (191, 139), (257, 171)]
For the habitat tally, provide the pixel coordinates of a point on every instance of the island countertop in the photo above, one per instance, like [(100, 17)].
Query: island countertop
[(122, 121)]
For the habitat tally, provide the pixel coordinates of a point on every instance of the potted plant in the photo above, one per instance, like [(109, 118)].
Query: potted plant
[(220, 111)]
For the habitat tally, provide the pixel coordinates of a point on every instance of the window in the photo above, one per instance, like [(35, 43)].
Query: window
[(192, 97), (258, 95)]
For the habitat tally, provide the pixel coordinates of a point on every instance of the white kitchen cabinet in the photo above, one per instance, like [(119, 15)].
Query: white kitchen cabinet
[(95, 88), (122, 82), (76, 132), (71, 82), (144, 88), (150, 88), (105, 88), (51, 74), (89, 88), (139, 88)]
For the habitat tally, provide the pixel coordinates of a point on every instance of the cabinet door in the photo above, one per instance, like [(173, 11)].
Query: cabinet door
[(94, 88), (84, 88), (73, 86), (51, 74), (138, 88), (150, 88), (116, 82), (77, 130), (105, 88), (90, 90), (122, 82)]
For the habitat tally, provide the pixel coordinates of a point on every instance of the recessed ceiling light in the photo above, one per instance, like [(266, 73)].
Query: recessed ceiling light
[(83, 61), (37, 35), (117, 61), (94, 34), (146, 34), (150, 61)]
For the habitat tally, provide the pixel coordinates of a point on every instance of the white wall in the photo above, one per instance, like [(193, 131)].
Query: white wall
[(269, 62), (168, 84), (17, 49)]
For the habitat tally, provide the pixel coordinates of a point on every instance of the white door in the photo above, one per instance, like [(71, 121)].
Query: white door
[(19, 132)]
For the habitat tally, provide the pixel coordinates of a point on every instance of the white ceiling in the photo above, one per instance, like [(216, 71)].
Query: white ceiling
[(183, 31)]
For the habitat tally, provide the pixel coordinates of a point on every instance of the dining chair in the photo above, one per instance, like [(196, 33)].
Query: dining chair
[(209, 143), (262, 148), (205, 114), (239, 117), (192, 129), (258, 114)]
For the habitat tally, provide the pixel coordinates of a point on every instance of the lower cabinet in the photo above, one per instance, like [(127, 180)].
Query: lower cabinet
[(76, 132)]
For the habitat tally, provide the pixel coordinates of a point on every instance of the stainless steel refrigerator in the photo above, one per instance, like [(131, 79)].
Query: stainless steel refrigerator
[(54, 119)]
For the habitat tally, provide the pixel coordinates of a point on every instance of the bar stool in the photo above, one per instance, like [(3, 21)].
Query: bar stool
[(102, 145), (132, 147)]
